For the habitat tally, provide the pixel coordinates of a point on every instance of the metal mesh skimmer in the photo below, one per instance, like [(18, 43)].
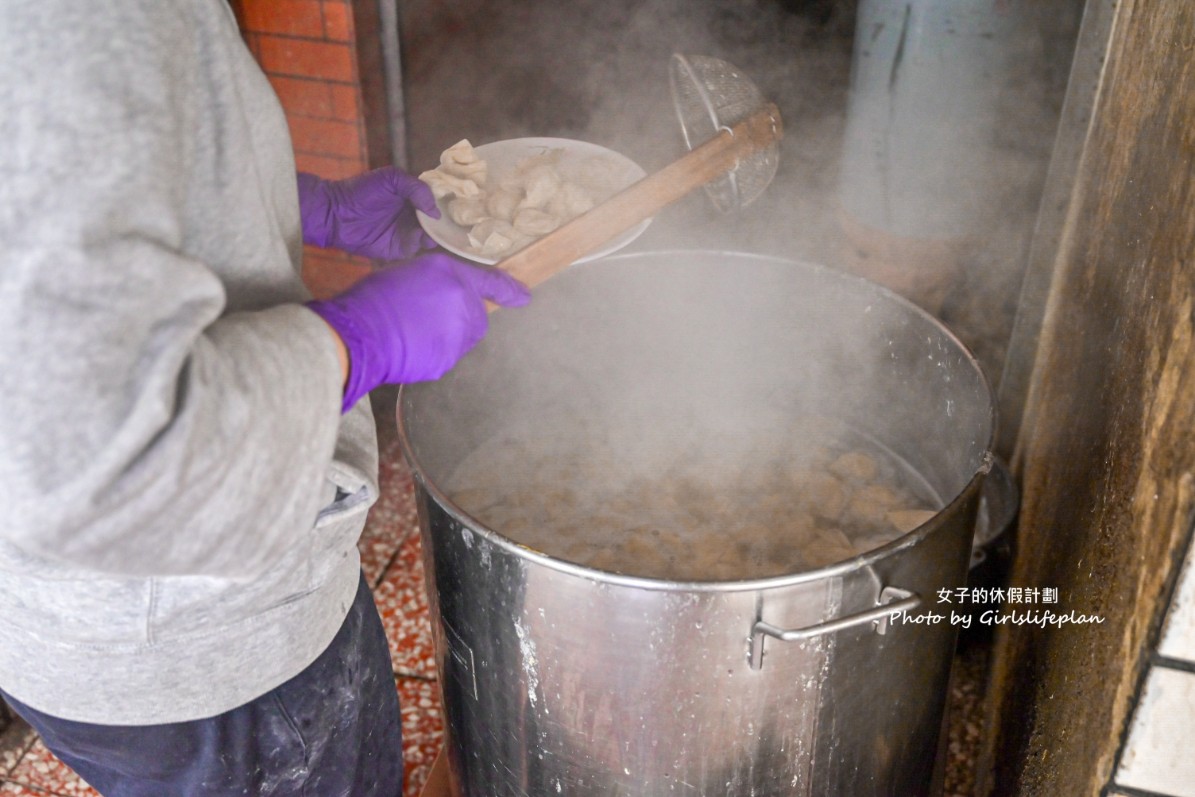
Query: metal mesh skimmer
[(711, 95)]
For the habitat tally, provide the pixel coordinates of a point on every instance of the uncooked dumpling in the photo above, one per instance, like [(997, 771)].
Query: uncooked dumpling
[(467, 212), (488, 227), (539, 186), (492, 237), (443, 184), (569, 202), (461, 160), (532, 221), (502, 202), (503, 213)]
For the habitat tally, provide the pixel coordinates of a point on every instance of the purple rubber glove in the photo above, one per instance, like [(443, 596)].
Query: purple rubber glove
[(372, 214), (411, 323)]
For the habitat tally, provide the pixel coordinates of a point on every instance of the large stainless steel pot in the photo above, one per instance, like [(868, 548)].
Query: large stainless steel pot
[(559, 679)]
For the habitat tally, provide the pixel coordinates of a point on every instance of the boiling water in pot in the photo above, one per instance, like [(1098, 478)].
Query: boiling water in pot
[(745, 507)]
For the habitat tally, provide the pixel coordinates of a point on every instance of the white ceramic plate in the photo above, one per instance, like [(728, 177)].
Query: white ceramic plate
[(501, 158)]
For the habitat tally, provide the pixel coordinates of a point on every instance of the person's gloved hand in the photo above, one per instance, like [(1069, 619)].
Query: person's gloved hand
[(372, 214), (412, 322)]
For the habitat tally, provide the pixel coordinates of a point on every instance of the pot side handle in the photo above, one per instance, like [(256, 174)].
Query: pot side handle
[(893, 601)]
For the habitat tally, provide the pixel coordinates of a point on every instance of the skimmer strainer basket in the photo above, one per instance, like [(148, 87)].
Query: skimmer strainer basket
[(711, 95)]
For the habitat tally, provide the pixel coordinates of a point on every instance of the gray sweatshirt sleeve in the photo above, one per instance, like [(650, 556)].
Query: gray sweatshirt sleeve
[(166, 405)]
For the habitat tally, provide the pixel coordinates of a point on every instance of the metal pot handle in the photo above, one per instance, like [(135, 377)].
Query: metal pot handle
[(893, 601)]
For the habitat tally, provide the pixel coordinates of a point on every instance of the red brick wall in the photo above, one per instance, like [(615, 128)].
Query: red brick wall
[(308, 50)]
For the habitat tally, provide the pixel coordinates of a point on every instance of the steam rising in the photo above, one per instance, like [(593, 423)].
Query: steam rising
[(596, 70), (699, 362), (638, 383)]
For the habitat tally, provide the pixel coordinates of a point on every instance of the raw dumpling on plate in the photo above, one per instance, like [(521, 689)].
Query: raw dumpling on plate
[(569, 202), (491, 209), (503, 201), (443, 184), (539, 184), (535, 222), (495, 238), (467, 212), (461, 160)]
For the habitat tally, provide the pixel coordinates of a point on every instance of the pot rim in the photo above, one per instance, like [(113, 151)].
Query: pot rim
[(861, 561)]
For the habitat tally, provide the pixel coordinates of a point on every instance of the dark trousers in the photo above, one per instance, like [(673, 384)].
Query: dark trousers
[(331, 731)]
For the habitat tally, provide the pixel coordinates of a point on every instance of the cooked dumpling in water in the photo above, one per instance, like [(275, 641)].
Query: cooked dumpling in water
[(908, 519), (729, 513)]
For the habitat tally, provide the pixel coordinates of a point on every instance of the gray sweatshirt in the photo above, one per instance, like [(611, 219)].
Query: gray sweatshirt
[(180, 499)]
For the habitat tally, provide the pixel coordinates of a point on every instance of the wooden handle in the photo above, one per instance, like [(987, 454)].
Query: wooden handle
[(642, 200)]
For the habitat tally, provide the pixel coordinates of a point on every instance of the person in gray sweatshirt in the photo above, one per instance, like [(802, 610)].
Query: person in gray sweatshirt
[(186, 460)]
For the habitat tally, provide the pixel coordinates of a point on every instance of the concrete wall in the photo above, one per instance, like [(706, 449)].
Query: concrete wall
[(1106, 453)]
